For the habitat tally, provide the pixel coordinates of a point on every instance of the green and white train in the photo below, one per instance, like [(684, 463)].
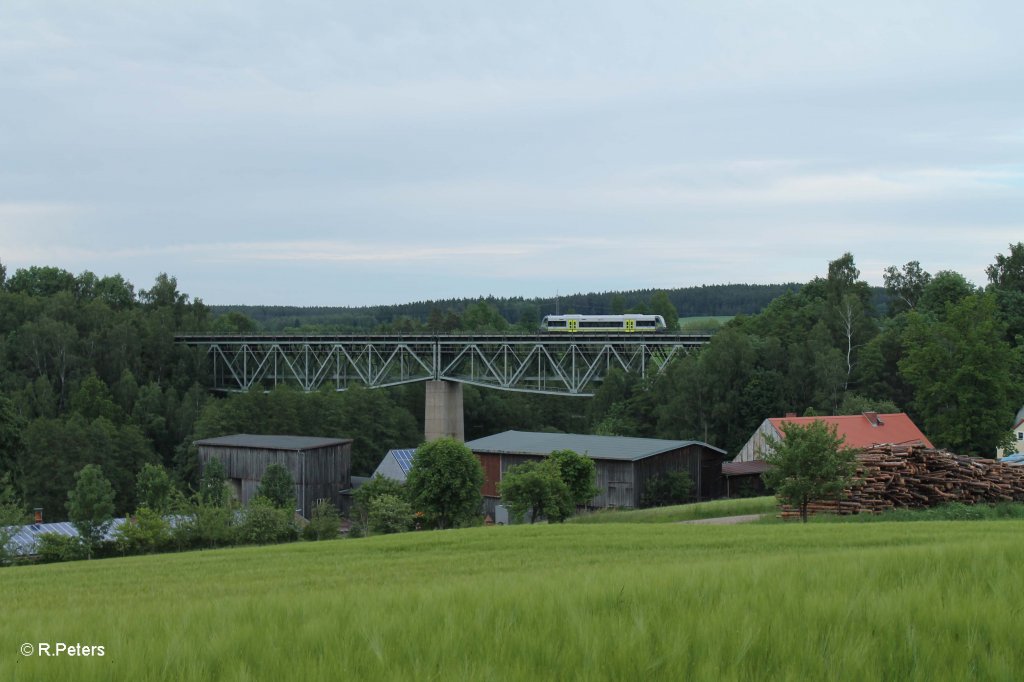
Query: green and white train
[(601, 324)]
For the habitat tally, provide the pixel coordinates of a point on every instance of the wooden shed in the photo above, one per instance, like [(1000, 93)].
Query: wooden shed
[(320, 467), (624, 465)]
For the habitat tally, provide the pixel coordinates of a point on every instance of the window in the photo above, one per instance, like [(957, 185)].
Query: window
[(1020, 435)]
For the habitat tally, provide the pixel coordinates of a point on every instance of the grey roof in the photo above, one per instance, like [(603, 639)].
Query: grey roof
[(290, 443), (23, 541), (25, 538), (595, 447)]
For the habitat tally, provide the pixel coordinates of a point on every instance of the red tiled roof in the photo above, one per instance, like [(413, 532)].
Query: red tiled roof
[(757, 466), (862, 432)]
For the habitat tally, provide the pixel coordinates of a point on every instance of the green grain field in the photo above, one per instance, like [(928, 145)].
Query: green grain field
[(616, 601), (683, 512)]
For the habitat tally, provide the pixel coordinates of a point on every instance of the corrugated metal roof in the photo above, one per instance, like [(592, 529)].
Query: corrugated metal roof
[(290, 443), (23, 542), (595, 447)]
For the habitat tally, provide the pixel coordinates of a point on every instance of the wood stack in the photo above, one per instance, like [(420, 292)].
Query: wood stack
[(913, 476)]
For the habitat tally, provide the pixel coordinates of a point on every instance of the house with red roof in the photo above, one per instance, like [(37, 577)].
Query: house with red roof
[(859, 431)]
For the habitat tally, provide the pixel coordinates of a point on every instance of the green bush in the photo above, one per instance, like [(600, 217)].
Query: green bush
[(278, 487), (262, 524), (389, 514), (146, 533), (371, 490), (325, 523), (54, 547), (207, 525)]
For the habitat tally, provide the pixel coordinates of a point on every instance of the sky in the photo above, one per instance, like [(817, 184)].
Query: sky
[(345, 153)]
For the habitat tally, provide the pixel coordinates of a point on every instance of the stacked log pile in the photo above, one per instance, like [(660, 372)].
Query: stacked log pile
[(909, 476)]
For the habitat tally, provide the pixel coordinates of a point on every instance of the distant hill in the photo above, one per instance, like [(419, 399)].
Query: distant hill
[(708, 300)]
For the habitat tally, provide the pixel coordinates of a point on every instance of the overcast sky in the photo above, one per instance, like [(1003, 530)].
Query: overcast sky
[(350, 153)]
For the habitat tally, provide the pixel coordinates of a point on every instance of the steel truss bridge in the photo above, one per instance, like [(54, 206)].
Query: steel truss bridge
[(554, 364)]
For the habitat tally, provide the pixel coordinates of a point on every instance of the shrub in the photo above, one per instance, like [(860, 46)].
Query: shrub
[(325, 524), (146, 533), (369, 491), (53, 547), (206, 526), (278, 487), (389, 514), (262, 524)]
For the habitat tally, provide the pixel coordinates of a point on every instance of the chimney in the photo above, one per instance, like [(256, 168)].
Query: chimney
[(872, 418), (38, 515), (790, 415)]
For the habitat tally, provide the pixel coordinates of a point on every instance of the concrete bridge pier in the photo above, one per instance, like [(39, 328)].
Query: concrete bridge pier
[(444, 416)]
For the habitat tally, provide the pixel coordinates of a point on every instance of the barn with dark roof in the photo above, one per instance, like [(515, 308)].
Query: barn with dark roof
[(320, 467), (624, 465)]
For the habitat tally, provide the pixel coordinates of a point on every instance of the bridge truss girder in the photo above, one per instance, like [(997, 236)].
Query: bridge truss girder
[(561, 365)]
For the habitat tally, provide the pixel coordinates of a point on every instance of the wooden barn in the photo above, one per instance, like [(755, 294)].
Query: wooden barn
[(624, 465), (320, 467)]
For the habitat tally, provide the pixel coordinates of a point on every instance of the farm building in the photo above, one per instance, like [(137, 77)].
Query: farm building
[(624, 465), (320, 467), (395, 465), (743, 479), (1018, 438), (859, 431)]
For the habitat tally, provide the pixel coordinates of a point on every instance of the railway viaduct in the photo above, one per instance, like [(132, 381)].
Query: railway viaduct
[(563, 364)]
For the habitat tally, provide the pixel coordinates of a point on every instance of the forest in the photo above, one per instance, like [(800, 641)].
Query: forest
[(90, 373), (499, 314)]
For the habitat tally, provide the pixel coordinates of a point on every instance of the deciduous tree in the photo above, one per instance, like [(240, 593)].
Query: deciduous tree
[(537, 489), (966, 377), (579, 474), (213, 489), (91, 505), (445, 481), (808, 463), (12, 515), (278, 487)]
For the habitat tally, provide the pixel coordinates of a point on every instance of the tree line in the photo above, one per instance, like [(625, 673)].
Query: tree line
[(947, 352), (90, 374), (508, 313)]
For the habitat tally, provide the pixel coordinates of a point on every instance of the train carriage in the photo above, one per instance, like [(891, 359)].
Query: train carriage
[(601, 324)]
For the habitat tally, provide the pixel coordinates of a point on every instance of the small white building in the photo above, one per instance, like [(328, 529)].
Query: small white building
[(1018, 437)]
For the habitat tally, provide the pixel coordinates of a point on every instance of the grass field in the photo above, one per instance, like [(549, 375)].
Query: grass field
[(880, 601), (683, 512)]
